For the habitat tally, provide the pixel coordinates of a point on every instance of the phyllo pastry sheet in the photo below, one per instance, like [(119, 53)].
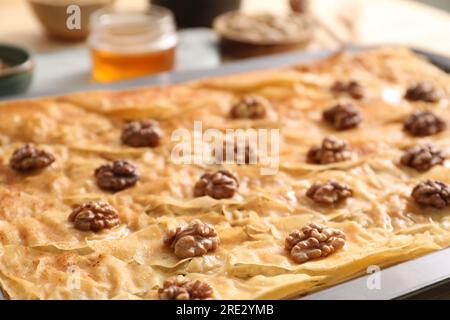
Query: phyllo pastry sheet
[(93, 205)]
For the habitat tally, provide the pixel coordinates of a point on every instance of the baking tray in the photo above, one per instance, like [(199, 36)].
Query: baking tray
[(397, 282), (245, 65)]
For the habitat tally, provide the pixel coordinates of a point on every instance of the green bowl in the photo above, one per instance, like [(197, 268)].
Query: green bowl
[(16, 78)]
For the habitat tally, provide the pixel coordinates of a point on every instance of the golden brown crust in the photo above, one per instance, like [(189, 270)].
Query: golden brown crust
[(42, 256)]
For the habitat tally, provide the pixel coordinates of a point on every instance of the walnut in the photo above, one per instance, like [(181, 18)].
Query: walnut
[(422, 158), (342, 116), (28, 158), (116, 176), (432, 193), (193, 240), (250, 107), (353, 88), (424, 123), (313, 241), (329, 193), (218, 185), (299, 6), (144, 133), (179, 288), (249, 154), (423, 91), (332, 150), (94, 216)]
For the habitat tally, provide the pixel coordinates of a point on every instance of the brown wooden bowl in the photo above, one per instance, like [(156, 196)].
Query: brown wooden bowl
[(240, 45)]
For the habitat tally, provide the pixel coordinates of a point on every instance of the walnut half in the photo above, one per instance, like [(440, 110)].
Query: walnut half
[(432, 193), (116, 176), (250, 107), (145, 133), (179, 288), (423, 91), (221, 184), (343, 116), (329, 193), (423, 157), (28, 158), (94, 216), (313, 241), (332, 150), (424, 123), (195, 239), (353, 88)]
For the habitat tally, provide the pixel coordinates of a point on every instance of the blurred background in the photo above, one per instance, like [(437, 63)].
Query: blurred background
[(133, 38)]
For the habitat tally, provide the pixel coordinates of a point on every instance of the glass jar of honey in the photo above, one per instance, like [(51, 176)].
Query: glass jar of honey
[(131, 44)]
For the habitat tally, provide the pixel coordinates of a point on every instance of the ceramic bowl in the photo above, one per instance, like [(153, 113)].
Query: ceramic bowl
[(17, 70)]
